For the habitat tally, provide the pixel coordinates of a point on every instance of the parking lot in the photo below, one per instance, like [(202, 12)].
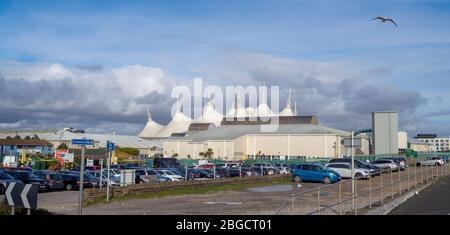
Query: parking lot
[(260, 200), (305, 197)]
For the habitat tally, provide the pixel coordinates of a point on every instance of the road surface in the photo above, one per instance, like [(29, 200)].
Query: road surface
[(434, 200)]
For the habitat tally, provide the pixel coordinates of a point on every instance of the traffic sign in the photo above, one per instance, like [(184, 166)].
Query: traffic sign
[(110, 146), (22, 195), (82, 142), (347, 142)]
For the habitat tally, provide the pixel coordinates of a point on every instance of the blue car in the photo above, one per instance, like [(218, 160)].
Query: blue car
[(314, 172)]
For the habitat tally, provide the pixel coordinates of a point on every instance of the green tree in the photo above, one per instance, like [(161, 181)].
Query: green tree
[(209, 153), (62, 146)]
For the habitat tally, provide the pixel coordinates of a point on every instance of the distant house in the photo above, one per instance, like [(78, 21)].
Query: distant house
[(14, 147)]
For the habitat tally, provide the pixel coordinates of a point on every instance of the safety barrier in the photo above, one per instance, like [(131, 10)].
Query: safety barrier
[(339, 198)]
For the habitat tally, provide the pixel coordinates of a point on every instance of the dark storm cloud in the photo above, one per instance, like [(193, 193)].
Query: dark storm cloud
[(370, 98), (81, 100), (21, 92), (96, 101), (326, 90)]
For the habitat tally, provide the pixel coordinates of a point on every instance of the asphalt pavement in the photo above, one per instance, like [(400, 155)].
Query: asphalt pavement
[(434, 200)]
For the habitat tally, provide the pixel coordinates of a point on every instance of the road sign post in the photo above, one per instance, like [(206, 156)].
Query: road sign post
[(80, 203), (22, 196), (353, 172), (110, 146), (83, 143), (101, 172)]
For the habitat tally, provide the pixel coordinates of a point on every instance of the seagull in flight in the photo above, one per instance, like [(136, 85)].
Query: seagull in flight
[(384, 19)]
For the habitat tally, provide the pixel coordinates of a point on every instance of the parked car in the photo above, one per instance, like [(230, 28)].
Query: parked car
[(401, 162), (174, 170), (263, 170), (248, 171), (191, 173), (222, 173), (314, 172), (114, 180), (112, 172), (204, 174), (116, 167), (72, 181), (54, 180), (345, 170), (160, 178), (358, 164), (161, 162), (283, 169), (235, 172), (227, 165), (170, 174), (27, 177), (431, 161), (142, 176), (5, 180), (207, 166), (386, 164), (92, 168)]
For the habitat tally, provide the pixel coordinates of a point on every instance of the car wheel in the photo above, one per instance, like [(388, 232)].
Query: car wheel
[(437, 164), (418, 164), (141, 181), (47, 188), (326, 180), (358, 175), (69, 187), (298, 179), (2, 189)]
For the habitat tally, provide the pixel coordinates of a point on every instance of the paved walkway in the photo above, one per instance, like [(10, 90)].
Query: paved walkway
[(434, 200)]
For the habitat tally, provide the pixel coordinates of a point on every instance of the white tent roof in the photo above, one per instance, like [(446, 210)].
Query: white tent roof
[(250, 112), (287, 111), (179, 123), (151, 128), (210, 114), (237, 110), (264, 110)]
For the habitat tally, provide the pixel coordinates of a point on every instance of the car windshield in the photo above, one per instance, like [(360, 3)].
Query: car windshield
[(169, 172), (89, 176), (31, 176), (55, 176), (325, 168), (6, 177)]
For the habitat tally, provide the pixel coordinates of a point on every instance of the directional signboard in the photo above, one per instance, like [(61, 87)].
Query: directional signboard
[(347, 142), (82, 142), (110, 146), (22, 195)]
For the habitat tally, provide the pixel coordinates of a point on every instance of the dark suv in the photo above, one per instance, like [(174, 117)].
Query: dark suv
[(72, 181)]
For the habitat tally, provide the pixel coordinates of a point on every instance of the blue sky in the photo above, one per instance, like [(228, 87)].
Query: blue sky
[(230, 41)]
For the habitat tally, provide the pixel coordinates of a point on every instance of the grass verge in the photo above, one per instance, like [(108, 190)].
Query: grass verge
[(197, 190)]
